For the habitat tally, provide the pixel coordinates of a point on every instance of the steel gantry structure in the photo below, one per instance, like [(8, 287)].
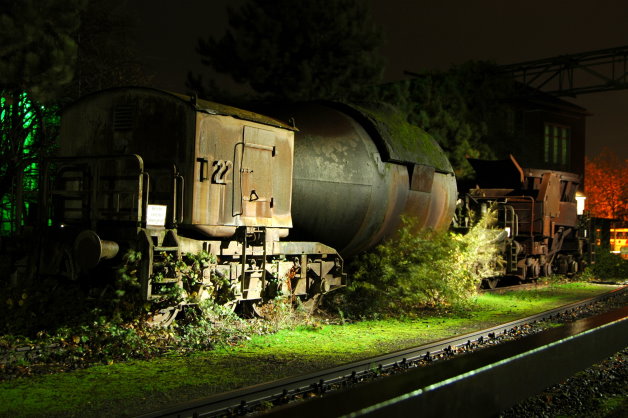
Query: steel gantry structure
[(571, 75)]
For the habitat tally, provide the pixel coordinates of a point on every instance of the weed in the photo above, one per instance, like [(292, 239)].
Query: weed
[(283, 312), (341, 315)]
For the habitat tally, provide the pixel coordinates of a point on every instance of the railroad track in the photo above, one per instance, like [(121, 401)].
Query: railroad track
[(283, 391)]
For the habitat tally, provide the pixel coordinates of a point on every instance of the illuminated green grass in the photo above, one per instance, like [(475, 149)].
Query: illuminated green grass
[(139, 386)]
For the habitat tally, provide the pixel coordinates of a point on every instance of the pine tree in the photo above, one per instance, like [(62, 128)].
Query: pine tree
[(310, 49), (462, 108), (37, 47)]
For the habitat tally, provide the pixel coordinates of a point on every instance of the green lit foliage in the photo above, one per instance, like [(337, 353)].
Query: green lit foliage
[(482, 246), (27, 132), (463, 108), (285, 311), (190, 268), (37, 57), (187, 288), (192, 287), (310, 50), (209, 324), (418, 270), (126, 298)]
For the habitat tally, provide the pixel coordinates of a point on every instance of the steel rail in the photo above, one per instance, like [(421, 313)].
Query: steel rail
[(280, 391), (482, 383)]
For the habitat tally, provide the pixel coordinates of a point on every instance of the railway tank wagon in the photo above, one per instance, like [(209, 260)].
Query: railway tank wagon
[(166, 175), (358, 169)]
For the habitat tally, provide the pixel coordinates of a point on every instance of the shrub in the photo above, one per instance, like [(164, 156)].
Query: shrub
[(421, 270), (208, 324), (609, 266)]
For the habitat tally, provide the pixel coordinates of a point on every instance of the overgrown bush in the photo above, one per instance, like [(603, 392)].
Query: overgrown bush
[(609, 266), (125, 300), (421, 270), (208, 324)]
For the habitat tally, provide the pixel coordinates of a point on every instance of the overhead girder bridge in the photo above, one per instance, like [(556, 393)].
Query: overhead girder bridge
[(574, 74)]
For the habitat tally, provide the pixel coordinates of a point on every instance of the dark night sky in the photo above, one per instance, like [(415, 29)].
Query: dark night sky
[(423, 36)]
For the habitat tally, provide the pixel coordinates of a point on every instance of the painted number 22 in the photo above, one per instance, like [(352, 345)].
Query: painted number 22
[(221, 168)]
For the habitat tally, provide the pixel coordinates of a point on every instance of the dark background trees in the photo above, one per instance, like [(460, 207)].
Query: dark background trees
[(52, 52), (464, 108), (38, 49), (284, 50), (330, 50)]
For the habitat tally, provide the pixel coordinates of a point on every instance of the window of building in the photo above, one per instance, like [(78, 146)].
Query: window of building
[(556, 145)]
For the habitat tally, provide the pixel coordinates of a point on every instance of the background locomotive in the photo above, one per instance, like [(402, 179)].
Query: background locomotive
[(537, 208), (166, 175)]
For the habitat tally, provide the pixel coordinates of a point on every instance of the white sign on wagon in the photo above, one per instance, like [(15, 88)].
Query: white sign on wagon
[(156, 215)]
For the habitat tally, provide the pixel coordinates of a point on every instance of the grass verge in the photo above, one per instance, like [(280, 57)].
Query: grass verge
[(133, 387)]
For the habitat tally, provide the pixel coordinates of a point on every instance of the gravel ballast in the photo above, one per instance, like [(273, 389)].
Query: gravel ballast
[(599, 391)]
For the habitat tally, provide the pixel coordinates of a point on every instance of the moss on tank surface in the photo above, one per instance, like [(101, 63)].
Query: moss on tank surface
[(404, 142)]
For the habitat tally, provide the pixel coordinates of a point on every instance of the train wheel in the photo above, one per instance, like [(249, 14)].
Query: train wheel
[(573, 267), (563, 265), (231, 305), (312, 303), (535, 270), (164, 317), (546, 269), (66, 266), (250, 308), (492, 282)]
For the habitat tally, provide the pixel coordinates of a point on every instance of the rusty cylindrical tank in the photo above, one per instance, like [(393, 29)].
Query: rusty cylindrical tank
[(358, 169)]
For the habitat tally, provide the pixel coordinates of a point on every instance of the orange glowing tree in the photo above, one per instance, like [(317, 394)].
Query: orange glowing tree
[(606, 187)]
